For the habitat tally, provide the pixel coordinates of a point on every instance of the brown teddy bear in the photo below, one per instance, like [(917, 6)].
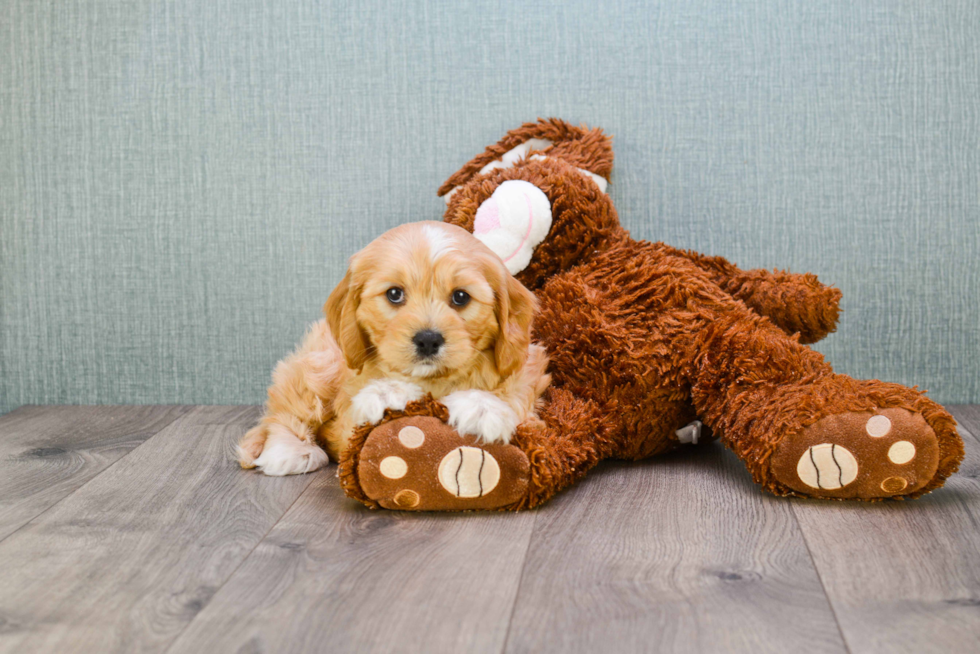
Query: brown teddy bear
[(651, 347)]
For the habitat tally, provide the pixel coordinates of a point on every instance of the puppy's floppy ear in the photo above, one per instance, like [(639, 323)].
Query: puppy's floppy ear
[(341, 310), (515, 307)]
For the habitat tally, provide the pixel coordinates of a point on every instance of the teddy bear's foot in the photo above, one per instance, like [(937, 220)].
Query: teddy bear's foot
[(859, 455), (420, 463)]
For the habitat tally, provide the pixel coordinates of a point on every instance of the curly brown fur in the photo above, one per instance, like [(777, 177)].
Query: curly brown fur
[(582, 147), (796, 303)]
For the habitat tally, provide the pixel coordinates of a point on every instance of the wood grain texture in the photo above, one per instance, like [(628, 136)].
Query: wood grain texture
[(968, 415), (46, 453), (677, 554), (904, 576), (173, 548), (124, 563), (335, 576)]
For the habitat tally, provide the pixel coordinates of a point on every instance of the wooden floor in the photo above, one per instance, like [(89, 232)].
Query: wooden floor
[(130, 529)]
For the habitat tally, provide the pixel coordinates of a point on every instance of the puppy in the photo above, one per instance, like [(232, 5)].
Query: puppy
[(425, 308)]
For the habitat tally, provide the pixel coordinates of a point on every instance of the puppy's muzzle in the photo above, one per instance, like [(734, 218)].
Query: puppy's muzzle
[(427, 343)]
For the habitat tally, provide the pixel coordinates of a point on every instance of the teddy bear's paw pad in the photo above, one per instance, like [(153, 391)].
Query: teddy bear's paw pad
[(863, 455), (469, 472), (421, 464)]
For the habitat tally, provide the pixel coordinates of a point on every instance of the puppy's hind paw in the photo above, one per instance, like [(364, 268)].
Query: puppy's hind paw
[(481, 414), (250, 447), (285, 454), (368, 406)]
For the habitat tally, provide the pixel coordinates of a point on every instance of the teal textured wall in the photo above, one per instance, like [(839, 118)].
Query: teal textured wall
[(181, 181)]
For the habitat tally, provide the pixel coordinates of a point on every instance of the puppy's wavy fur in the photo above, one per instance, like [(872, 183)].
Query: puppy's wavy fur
[(362, 359)]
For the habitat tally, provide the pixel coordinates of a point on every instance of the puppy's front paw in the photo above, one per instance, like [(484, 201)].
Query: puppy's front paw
[(481, 414), (369, 405)]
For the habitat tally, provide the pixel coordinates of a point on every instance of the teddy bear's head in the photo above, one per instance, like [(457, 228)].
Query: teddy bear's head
[(538, 198)]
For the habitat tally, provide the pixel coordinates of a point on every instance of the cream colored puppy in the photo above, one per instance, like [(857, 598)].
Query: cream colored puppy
[(424, 308)]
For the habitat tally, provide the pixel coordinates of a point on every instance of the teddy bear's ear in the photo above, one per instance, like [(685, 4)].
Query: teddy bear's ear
[(513, 221), (587, 150)]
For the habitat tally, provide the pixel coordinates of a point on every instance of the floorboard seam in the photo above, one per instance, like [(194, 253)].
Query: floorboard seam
[(241, 563), (823, 587), (967, 431), (967, 435), (520, 581), (4, 417), (107, 468)]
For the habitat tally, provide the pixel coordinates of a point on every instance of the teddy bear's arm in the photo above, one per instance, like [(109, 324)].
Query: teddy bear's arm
[(796, 303)]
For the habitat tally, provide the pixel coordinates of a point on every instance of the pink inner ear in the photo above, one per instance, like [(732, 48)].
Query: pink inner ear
[(487, 217), (530, 221)]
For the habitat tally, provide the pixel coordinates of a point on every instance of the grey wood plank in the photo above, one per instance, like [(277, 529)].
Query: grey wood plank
[(125, 562), (680, 553), (335, 576), (968, 415), (904, 576), (48, 452)]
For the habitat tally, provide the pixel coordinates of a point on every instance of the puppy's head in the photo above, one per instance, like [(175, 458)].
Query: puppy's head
[(428, 300)]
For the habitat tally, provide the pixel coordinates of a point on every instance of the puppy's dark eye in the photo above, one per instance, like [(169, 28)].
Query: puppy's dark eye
[(395, 295), (460, 298)]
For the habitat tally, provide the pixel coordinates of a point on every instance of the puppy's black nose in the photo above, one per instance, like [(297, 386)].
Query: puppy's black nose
[(427, 342)]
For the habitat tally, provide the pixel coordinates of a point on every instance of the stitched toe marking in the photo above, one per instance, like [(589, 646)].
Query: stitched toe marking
[(894, 485), (406, 499), (393, 467), (901, 452), (878, 426), (411, 437)]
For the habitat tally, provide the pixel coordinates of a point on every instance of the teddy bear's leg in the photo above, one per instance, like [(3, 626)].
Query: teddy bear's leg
[(796, 303), (801, 428), (414, 461)]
